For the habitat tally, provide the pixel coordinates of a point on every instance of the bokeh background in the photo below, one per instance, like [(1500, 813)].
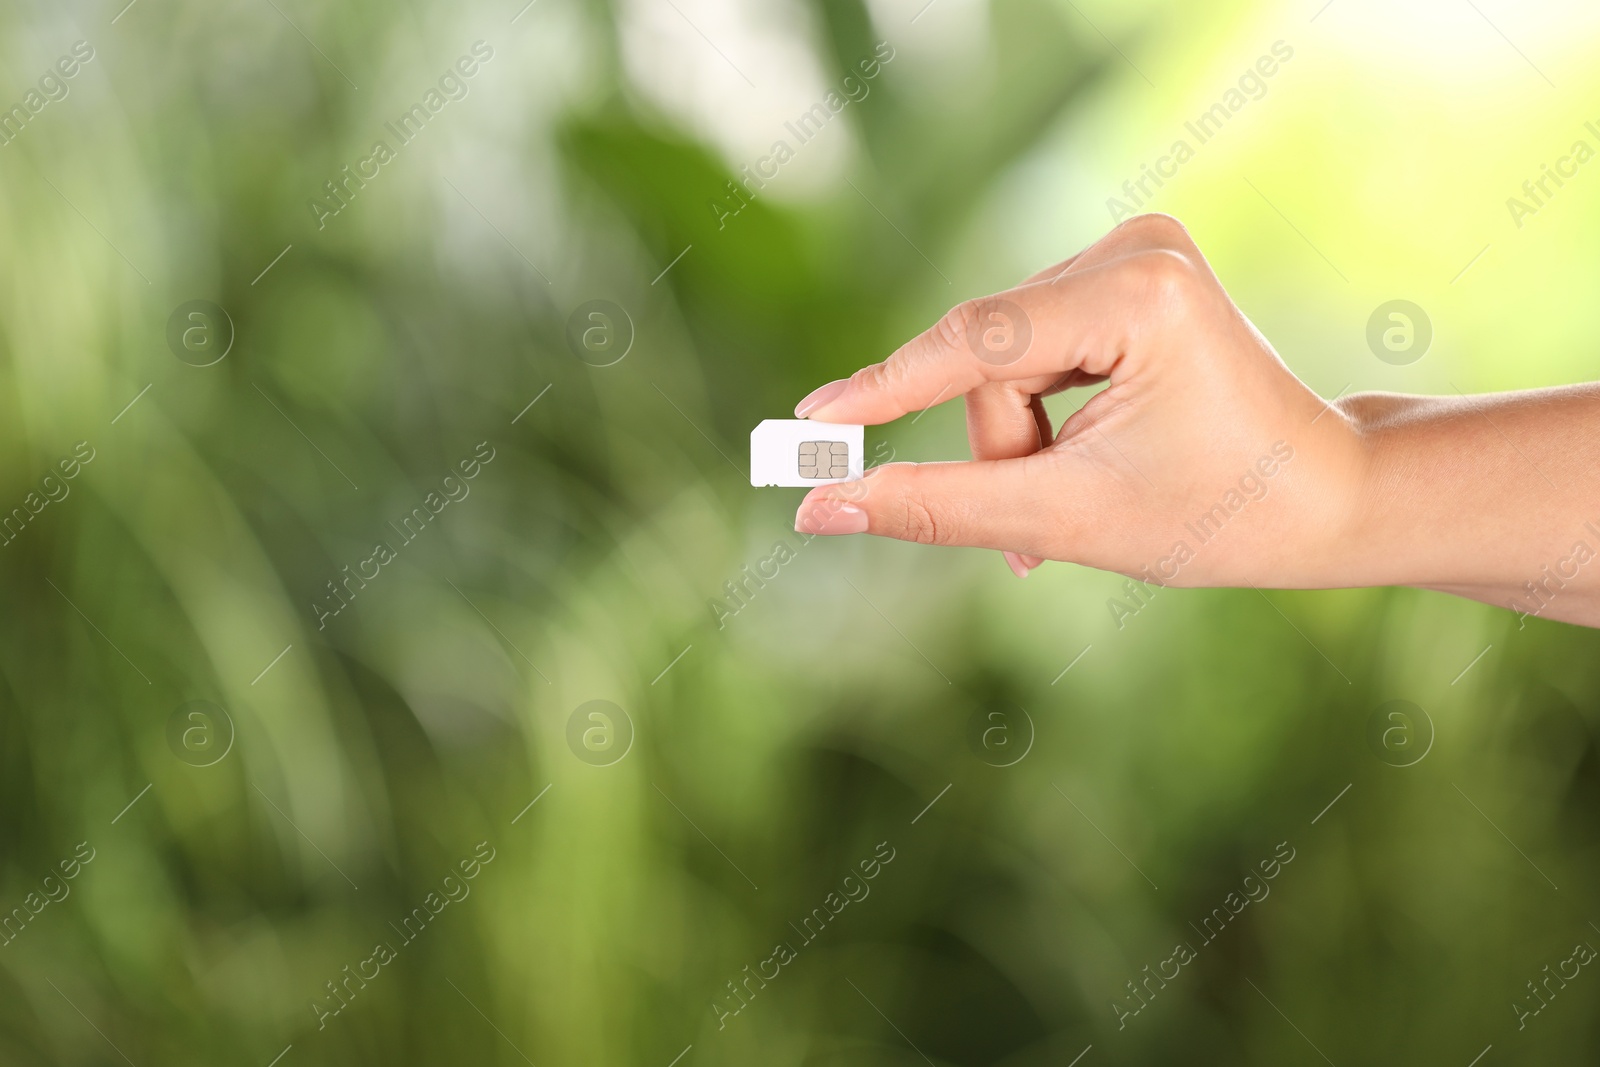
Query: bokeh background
[(248, 848)]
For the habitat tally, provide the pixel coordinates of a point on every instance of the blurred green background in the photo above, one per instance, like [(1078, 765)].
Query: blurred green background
[(230, 859)]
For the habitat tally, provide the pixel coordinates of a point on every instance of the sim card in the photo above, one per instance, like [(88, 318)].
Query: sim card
[(801, 452)]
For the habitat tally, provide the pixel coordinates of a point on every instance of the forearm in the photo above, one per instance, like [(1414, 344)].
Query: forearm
[(1493, 497)]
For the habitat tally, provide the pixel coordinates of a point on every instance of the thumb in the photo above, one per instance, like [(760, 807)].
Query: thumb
[(982, 504)]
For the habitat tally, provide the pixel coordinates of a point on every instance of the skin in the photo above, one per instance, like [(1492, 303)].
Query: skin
[(1488, 497)]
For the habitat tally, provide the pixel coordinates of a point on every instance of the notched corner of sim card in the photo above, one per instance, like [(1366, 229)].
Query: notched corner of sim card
[(801, 452)]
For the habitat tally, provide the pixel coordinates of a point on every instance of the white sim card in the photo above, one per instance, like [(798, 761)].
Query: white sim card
[(802, 452)]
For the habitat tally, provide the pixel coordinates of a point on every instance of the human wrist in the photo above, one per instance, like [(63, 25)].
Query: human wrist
[(1390, 491)]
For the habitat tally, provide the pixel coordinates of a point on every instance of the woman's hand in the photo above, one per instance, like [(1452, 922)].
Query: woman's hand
[(1205, 461)]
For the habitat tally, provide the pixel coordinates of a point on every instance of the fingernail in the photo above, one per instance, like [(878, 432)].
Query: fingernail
[(828, 516), (1014, 561), (1032, 562), (819, 397)]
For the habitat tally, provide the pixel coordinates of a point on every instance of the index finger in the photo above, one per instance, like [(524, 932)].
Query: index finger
[(1039, 329)]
